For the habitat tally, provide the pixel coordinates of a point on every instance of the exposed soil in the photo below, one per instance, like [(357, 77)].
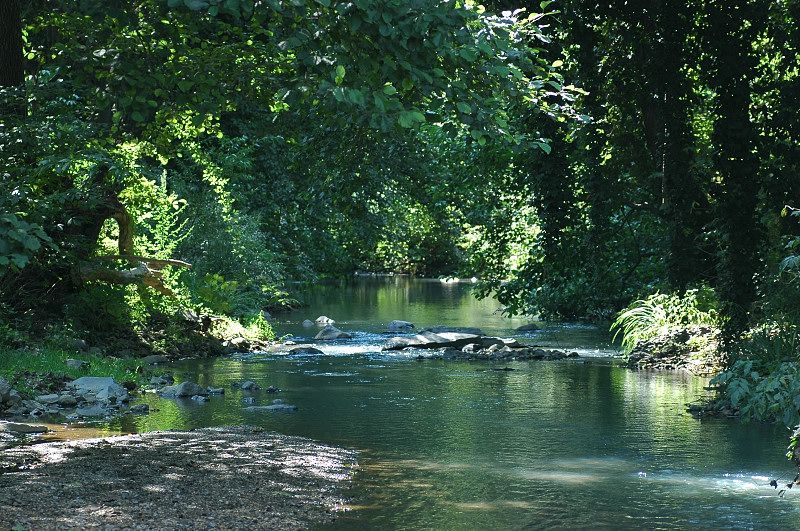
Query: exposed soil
[(212, 478)]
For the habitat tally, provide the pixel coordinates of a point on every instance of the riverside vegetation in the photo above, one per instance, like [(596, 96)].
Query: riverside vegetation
[(169, 167)]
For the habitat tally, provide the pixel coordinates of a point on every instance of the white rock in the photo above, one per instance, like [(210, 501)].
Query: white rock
[(400, 326)]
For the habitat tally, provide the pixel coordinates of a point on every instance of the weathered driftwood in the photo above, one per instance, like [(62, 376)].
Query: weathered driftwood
[(146, 271), (141, 274), (152, 263)]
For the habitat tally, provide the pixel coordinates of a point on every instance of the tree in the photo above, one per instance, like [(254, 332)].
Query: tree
[(11, 65), (732, 27)]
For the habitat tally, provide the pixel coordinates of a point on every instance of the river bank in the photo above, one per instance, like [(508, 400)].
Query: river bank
[(231, 478)]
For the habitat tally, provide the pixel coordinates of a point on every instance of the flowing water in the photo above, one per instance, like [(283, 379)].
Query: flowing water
[(451, 445)]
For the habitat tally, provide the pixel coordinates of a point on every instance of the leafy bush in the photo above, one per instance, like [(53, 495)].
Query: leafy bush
[(770, 396), (661, 313), (20, 241)]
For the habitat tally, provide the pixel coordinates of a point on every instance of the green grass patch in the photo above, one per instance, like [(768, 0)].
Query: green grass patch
[(52, 360)]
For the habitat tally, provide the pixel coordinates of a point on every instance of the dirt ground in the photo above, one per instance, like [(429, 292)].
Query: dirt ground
[(216, 478)]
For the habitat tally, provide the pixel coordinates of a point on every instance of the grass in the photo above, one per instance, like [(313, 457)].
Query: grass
[(53, 360)]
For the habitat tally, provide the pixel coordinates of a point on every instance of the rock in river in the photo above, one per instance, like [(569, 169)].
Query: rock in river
[(249, 385), (400, 326), (96, 410), (432, 340), (184, 390), (306, 350), (15, 427), (530, 327), (331, 332), (324, 320), (104, 389), (277, 405)]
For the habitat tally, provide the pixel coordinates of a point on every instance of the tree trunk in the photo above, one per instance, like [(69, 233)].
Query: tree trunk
[(679, 188), (735, 139), (11, 66)]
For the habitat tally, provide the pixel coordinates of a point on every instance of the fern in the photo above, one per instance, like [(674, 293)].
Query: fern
[(661, 313)]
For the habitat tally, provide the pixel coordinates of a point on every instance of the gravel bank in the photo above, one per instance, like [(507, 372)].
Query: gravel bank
[(214, 478)]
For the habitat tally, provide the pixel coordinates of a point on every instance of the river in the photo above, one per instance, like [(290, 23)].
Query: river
[(450, 445)]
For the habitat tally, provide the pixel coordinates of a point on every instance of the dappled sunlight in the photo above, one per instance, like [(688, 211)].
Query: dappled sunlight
[(201, 472), (560, 476), (493, 505)]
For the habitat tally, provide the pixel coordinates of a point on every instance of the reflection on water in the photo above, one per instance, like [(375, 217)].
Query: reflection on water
[(447, 445), (365, 305)]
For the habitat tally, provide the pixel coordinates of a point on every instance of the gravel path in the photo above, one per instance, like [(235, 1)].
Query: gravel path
[(214, 478)]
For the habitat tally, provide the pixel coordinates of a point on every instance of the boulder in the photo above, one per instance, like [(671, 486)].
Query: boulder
[(104, 389), (428, 340), (67, 401), (250, 385), (200, 398), (492, 342), (272, 389), (455, 330), (96, 410), (400, 326), (5, 387), (308, 323), (160, 381), (530, 327), (48, 399), (323, 320), (22, 429), (184, 390), (331, 332), (306, 350), (216, 391), (8, 396), (140, 409), (77, 364)]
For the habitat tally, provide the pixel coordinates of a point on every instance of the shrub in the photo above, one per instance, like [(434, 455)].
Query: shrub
[(662, 313), (770, 396)]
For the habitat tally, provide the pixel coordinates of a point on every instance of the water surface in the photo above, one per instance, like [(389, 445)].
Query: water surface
[(451, 445)]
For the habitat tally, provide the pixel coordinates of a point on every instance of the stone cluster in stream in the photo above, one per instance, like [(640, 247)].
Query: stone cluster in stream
[(470, 344), (497, 353), (693, 349), (86, 397)]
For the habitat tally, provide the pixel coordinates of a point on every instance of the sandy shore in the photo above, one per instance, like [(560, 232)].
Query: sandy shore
[(216, 478)]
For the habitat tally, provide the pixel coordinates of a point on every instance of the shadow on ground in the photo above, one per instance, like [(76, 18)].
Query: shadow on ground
[(233, 478)]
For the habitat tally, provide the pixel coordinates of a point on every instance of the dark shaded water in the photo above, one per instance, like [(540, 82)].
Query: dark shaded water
[(451, 445)]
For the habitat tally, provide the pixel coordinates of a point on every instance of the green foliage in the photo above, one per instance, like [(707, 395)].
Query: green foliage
[(14, 363), (661, 313), (217, 294), (791, 263), (765, 396), (20, 241)]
